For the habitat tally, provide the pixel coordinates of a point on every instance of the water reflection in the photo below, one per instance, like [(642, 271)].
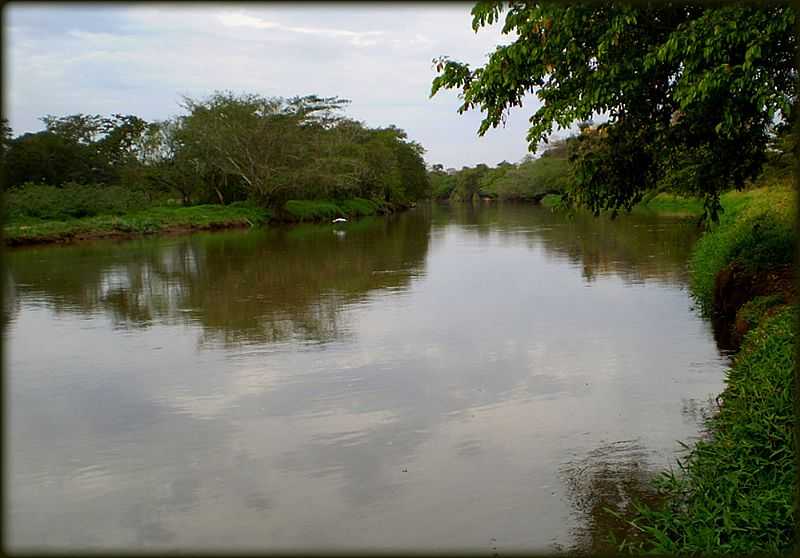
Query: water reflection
[(635, 247), (260, 287), (604, 486), (416, 382)]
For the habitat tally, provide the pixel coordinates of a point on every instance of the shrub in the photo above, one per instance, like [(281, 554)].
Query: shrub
[(71, 201), (312, 210)]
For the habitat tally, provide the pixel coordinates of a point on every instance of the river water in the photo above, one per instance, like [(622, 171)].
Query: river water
[(450, 378)]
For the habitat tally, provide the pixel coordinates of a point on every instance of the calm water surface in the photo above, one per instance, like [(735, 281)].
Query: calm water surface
[(449, 378)]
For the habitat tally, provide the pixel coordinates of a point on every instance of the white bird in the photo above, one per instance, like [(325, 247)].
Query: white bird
[(339, 220)]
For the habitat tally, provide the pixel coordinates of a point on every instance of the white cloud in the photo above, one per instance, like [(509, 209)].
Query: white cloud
[(242, 20), (140, 60), (357, 38)]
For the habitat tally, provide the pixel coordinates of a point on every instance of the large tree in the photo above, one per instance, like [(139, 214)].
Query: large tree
[(263, 141), (692, 94)]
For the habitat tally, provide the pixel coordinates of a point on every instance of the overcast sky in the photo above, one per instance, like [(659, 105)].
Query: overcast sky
[(140, 59)]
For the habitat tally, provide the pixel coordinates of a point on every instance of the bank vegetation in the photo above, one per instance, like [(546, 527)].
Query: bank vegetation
[(261, 158)]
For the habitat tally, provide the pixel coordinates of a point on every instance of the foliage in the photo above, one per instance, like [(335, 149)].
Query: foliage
[(442, 184), (672, 203), (735, 495), (693, 94), (226, 148), (47, 158), (468, 182), (551, 200), (531, 179), (151, 220), (753, 311), (535, 178), (316, 210), (756, 230), (71, 201)]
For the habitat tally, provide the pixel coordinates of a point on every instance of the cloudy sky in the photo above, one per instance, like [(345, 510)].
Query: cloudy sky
[(140, 59)]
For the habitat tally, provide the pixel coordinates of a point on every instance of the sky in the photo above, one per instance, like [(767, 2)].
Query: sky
[(141, 59)]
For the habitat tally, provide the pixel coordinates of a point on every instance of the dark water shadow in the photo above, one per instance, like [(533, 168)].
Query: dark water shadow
[(604, 487)]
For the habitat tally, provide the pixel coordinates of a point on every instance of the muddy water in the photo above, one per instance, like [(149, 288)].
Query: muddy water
[(449, 378)]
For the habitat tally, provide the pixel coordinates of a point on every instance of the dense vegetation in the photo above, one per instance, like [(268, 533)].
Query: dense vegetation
[(756, 234), (693, 94), (268, 152), (529, 180)]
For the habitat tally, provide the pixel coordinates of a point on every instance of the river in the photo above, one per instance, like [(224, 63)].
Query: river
[(449, 378)]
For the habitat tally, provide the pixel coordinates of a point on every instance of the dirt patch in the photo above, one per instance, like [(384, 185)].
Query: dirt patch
[(734, 286)]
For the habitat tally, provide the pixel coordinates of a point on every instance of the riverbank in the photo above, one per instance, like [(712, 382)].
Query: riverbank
[(735, 489), (178, 220)]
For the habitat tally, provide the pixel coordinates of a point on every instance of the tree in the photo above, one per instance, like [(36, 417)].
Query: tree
[(5, 142), (693, 94), (78, 128), (258, 139), (468, 182), (47, 158), (532, 179), (110, 142)]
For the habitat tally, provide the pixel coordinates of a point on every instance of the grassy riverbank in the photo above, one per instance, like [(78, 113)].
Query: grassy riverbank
[(734, 491), (26, 229), (755, 234), (166, 219)]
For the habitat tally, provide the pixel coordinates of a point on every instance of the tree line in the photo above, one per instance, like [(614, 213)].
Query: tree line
[(529, 180), (226, 147)]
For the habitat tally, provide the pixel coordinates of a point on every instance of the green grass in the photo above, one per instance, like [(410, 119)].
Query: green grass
[(22, 228), (551, 200), (735, 491), (317, 210), (672, 204), (756, 230), (151, 220), (753, 311)]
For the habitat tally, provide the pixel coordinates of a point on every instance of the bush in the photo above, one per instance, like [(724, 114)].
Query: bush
[(312, 210), (442, 185), (359, 207), (72, 201)]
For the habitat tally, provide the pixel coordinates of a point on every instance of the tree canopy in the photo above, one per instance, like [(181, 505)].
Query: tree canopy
[(223, 148), (692, 94)]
